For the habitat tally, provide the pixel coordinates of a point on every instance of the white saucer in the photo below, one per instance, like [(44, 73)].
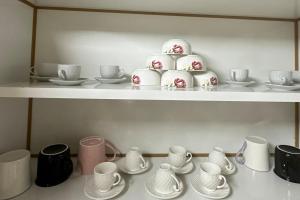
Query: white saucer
[(58, 81), (283, 87), (149, 186), (111, 80), (239, 83), (187, 168), (91, 192), (42, 78), (123, 168), (229, 172), (218, 194)]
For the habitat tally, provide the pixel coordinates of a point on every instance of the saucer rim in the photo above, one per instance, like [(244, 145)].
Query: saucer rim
[(98, 78), (140, 171), (185, 172), (240, 82)]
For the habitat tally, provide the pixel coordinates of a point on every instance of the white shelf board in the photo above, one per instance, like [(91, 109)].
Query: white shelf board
[(245, 184), (95, 90)]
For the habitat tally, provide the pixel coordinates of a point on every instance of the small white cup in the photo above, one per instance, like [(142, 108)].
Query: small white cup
[(178, 156), (69, 72), (177, 79), (165, 180), (190, 63), (218, 157), (106, 176), (110, 71), (145, 77), (160, 62), (44, 70), (281, 77), (210, 176), (134, 159), (239, 75)]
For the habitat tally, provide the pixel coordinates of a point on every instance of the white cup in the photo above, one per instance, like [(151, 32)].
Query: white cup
[(160, 62), (110, 71), (210, 176), (190, 63), (218, 157), (165, 180), (44, 70), (178, 156), (206, 79), (145, 77), (69, 72), (134, 159), (281, 77), (239, 75), (106, 176), (14, 173), (177, 79)]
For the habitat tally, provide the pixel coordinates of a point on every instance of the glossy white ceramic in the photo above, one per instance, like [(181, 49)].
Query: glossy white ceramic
[(178, 156), (45, 70), (239, 75), (177, 79), (145, 77), (110, 72), (281, 77), (134, 160), (218, 157), (206, 79), (160, 62), (190, 63), (69, 72), (176, 47)]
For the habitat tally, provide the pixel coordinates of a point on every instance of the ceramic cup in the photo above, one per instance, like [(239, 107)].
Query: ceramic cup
[(178, 156), (160, 62), (190, 63), (254, 153), (110, 71), (92, 150), (69, 72), (206, 79), (14, 173), (239, 75), (145, 77), (54, 165), (134, 159), (44, 70), (296, 76), (106, 176), (281, 77), (177, 79), (176, 47), (210, 176), (218, 157), (165, 180)]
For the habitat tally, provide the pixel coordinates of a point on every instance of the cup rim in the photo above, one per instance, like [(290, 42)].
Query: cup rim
[(256, 139), (68, 65), (102, 140), (113, 165), (239, 69), (22, 154), (53, 154)]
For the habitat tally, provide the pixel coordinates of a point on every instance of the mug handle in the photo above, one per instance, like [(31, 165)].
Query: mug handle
[(62, 74), (189, 156), (143, 164), (240, 154), (114, 151), (224, 182), (229, 166), (118, 176), (177, 185)]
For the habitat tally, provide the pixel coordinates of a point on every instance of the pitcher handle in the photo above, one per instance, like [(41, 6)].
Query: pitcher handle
[(143, 164), (177, 185), (224, 182), (114, 151), (239, 157), (189, 156)]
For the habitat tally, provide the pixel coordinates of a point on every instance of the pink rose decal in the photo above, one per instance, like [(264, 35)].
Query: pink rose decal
[(177, 49), (156, 64), (214, 80), (135, 79), (179, 83), (196, 65)]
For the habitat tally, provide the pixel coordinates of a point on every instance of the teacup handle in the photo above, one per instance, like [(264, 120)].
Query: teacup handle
[(239, 155), (233, 75), (114, 151), (224, 182), (62, 74), (189, 156), (284, 81), (143, 164), (229, 166), (177, 185), (118, 176)]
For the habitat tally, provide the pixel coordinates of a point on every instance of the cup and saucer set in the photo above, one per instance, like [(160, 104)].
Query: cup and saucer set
[(43, 72), (240, 78), (211, 182), (111, 74), (180, 160), (284, 80)]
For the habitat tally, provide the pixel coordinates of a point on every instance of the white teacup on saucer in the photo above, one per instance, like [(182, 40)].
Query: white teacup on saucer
[(178, 156), (218, 157)]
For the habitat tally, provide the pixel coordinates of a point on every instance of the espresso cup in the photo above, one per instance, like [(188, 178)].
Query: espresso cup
[(106, 176), (281, 77), (44, 70), (110, 71), (165, 180), (145, 77), (178, 156), (69, 72), (210, 176), (239, 75), (134, 159), (218, 157)]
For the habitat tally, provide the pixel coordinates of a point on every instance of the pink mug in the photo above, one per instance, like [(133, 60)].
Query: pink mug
[(92, 151)]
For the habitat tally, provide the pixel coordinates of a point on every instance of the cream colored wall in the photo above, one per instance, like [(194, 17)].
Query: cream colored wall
[(15, 40), (91, 39)]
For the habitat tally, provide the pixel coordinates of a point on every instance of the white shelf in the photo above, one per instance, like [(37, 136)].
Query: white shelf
[(94, 90), (245, 184)]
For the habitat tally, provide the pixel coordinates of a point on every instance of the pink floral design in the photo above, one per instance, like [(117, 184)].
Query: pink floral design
[(214, 80), (136, 79), (177, 49), (179, 83), (196, 65), (156, 64)]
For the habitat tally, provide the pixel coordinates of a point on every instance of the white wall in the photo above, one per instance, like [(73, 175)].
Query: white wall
[(91, 39), (15, 40)]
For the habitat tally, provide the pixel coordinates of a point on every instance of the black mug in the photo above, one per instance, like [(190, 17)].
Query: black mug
[(54, 165)]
